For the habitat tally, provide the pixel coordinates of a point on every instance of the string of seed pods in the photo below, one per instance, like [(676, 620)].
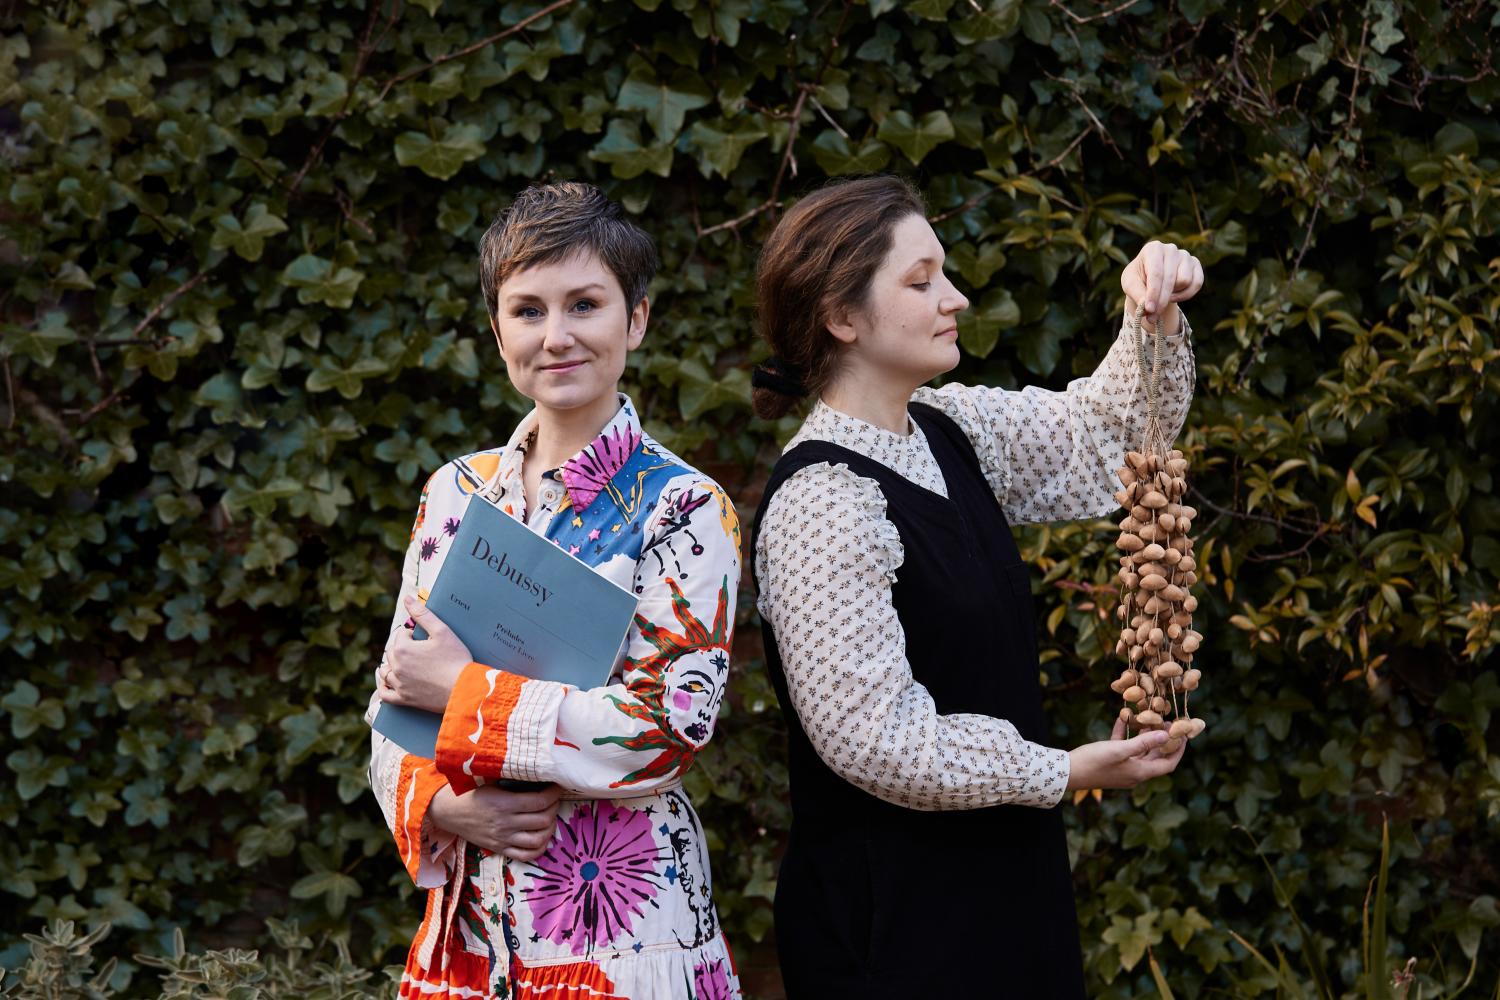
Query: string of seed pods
[(1157, 571)]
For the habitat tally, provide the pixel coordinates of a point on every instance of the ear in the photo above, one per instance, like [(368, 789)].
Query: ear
[(840, 323), (636, 332)]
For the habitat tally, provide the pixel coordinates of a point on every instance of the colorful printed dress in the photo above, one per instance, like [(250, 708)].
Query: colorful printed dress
[(621, 903)]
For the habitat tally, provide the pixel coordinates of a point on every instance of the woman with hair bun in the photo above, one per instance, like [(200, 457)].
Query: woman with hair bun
[(927, 857)]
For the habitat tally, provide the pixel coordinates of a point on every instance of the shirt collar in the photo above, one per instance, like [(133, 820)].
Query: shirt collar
[(587, 473)]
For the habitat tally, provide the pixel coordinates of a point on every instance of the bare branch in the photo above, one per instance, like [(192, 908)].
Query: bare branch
[(467, 49), (171, 297)]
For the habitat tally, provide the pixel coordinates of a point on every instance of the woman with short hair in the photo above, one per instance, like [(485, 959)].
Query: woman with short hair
[(598, 883), (926, 858)]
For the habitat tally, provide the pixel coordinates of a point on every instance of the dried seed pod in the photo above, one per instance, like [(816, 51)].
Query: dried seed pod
[(1126, 474), (1125, 715), (1151, 553), (1129, 676), (1146, 684), (1153, 582), (1166, 522), (1140, 513), (1198, 726), (1148, 718), (1181, 727), (1134, 693), (1135, 460), (1127, 636), (1130, 543), (1172, 744), (1159, 705), (1153, 501), (1190, 680), (1169, 671), (1172, 592)]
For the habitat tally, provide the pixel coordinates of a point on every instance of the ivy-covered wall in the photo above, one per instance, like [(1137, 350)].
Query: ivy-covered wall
[(240, 326)]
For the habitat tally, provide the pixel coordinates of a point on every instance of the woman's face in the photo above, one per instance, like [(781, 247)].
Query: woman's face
[(907, 328), (564, 329)]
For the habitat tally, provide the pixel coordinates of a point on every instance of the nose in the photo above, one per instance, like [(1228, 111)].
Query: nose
[(953, 301), (558, 337)]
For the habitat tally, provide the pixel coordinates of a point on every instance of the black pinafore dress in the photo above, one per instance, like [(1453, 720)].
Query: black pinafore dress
[(876, 900)]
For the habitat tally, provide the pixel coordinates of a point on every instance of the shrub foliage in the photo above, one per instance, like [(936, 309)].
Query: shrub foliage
[(240, 326)]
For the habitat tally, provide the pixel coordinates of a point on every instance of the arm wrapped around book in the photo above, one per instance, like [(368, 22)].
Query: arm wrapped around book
[(643, 732)]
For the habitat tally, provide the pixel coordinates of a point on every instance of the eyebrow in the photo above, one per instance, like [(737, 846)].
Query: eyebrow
[(570, 293)]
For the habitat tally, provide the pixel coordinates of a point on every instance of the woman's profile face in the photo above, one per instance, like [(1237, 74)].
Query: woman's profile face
[(908, 326), (564, 329)]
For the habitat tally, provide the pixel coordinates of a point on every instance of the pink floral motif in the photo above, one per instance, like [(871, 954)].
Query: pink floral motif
[(597, 876), (711, 981), (587, 473)]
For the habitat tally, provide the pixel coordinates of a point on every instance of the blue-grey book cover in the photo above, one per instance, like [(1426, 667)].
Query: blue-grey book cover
[(522, 604)]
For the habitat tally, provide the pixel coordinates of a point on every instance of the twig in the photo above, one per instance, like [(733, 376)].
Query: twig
[(44, 413), (171, 297), (100, 406), (969, 203), (1246, 515), (1064, 154), (366, 49), (1079, 19), (467, 49), (787, 161)]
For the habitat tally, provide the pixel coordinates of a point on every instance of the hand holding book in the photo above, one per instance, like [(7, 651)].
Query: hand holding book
[(420, 673)]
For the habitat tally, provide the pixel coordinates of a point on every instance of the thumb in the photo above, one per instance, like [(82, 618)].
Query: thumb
[(421, 614), (1137, 745)]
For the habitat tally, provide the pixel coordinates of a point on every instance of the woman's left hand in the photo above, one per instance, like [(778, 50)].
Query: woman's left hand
[(420, 673), (1160, 275)]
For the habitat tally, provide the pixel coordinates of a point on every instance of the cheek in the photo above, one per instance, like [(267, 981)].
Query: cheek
[(682, 700)]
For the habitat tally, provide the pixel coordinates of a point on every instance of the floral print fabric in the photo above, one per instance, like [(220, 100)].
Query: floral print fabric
[(620, 904), (827, 557)]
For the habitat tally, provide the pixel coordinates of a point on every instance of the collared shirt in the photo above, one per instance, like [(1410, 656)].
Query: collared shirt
[(1047, 456), (621, 901)]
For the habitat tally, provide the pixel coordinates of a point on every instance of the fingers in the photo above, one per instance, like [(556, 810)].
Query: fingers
[(1138, 746), (1132, 280), (1118, 731), (1162, 273), (1166, 278)]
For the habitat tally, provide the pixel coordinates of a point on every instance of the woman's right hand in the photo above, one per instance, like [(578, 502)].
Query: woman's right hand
[(1121, 763), (518, 825)]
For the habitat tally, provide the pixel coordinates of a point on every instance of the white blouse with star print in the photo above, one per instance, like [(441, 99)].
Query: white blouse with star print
[(1048, 456)]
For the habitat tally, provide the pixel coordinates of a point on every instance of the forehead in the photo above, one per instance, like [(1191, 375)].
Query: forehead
[(559, 275), (912, 240)]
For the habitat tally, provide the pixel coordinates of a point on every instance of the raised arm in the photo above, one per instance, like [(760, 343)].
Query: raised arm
[(637, 735), (846, 668), (1051, 456)]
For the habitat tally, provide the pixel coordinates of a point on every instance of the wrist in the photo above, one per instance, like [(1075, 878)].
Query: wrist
[(438, 808)]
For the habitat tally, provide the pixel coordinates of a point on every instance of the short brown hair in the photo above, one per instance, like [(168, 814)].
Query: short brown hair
[(819, 258), (551, 222)]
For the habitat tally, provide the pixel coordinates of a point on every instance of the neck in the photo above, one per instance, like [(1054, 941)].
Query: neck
[(561, 434), (874, 398)]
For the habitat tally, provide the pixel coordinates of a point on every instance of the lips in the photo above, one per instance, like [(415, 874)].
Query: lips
[(563, 367), (951, 331)]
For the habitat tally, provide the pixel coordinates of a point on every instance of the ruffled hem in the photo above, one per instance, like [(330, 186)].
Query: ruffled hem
[(704, 973)]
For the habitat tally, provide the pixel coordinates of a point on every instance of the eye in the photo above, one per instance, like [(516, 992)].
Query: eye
[(528, 312), (921, 286), (693, 687), (585, 305)]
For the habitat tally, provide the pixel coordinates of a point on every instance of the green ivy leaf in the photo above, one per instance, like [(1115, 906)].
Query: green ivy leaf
[(979, 328), (41, 341), (318, 280), (722, 149), (665, 103), (836, 156), (916, 138), (621, 148), (442, 157), (247, 238)]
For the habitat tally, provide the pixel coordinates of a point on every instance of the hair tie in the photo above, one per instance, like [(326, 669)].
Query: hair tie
[(779, 375)]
